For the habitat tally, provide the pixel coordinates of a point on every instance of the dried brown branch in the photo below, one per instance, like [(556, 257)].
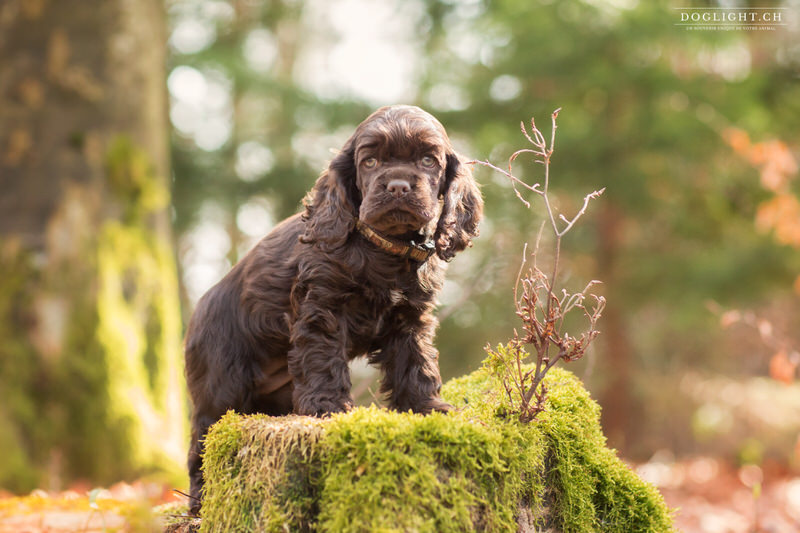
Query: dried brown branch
[(542, 312)]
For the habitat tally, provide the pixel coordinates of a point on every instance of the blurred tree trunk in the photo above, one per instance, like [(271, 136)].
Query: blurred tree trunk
[(91, 381), (616, 397)]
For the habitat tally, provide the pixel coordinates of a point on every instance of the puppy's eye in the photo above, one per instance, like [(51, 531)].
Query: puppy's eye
[(370, 162), (428, 161)]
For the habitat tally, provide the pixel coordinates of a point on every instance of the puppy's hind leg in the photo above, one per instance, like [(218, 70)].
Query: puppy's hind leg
[(200, 425)]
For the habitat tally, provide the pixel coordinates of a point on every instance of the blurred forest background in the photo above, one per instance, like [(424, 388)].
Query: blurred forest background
[(108, 236)]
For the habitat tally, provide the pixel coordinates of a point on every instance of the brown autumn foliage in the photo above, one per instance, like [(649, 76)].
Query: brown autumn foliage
[(779, 214)]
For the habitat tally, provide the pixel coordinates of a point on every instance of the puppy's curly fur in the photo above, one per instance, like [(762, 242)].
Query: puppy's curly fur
[(276, 334)]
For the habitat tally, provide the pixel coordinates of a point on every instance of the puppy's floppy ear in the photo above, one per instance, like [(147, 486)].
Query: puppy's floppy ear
[(332, 205), (462, 209)]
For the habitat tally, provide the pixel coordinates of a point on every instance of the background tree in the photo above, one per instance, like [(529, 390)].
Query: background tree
[(90, 328)]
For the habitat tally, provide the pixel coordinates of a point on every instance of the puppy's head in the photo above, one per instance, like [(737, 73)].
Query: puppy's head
[(399, 174)]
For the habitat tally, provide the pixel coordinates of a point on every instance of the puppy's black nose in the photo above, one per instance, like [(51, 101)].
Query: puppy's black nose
[(398, 187)]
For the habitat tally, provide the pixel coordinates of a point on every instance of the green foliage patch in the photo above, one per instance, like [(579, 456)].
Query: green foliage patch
[(475, 469)]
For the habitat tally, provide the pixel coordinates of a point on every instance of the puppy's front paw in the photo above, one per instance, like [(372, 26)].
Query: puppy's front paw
[(437, 404), (424, 407), (321, 407)]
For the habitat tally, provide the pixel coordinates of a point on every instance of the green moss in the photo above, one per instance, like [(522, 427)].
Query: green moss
[(132, 178), (137, 287), (588, 486), (475, 469), (592, 489), (260, 473), (409, 472)]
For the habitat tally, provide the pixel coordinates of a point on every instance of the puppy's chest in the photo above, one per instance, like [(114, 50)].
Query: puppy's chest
[(371, 308)]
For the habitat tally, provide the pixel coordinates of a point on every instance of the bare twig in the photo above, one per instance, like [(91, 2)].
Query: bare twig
[(187, 495), (541, 311)]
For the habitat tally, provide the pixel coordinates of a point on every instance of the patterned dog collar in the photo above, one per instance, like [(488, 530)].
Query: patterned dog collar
[(412, 250)]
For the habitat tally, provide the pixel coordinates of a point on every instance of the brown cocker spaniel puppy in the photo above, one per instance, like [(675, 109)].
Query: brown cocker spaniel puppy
[(356, 274)]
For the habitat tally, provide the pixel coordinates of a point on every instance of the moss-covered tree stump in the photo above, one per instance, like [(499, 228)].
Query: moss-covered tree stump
[(478, 469)]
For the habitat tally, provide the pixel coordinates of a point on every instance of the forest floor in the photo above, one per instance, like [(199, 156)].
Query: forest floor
[(709, 495), (712, 496)]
